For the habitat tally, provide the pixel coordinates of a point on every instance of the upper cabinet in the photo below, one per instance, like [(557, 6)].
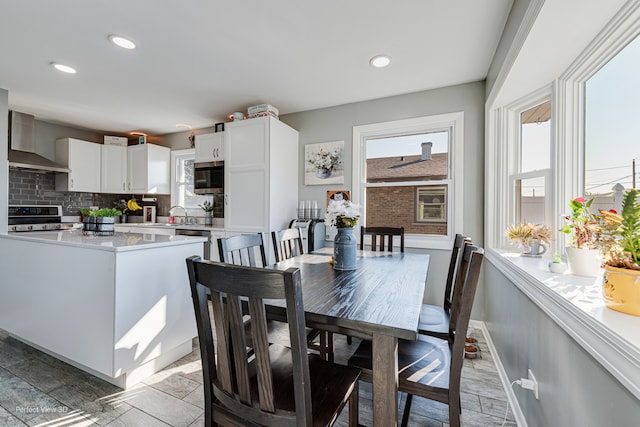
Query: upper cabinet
[(114, 169), (148, 168), (210, 147), (261, 175), (83, 158)]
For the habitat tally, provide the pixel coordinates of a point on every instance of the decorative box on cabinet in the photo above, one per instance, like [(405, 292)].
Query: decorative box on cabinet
[(148, 168), (114, 169), (261, 175), (209, 147), (83, 158)]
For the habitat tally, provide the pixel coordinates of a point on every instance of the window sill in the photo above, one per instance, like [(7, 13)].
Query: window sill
[(575, 304)]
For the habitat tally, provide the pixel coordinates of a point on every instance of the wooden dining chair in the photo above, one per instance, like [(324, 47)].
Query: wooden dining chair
[(276, 385), (384, 235), (241, 250), (287, 243), (431, 367), (434, 319)]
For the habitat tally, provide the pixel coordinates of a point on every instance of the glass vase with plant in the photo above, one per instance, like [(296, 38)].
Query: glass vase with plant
[(208, 208)]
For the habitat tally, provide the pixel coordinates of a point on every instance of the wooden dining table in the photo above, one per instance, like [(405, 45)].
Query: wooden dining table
[(380, 300)]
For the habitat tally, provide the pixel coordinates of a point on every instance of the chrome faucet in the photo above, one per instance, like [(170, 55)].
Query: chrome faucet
[(186, 215)]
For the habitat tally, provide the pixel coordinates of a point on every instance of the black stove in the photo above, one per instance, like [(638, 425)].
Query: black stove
[(36, 218)]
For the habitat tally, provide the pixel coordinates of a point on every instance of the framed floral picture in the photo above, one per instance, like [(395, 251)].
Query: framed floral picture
[(323, 163)]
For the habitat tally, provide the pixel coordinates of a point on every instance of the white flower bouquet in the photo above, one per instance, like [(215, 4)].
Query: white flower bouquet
[(342, 213)]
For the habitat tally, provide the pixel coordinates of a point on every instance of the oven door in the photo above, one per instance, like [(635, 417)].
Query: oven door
[(208, 178)]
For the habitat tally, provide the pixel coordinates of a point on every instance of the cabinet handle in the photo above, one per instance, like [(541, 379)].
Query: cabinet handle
[(124, 186), (71, 182), (226, 200)]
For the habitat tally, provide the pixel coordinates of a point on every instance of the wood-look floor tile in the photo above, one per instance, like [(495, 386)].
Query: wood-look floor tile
[(9, 420), (21, 399), (163, 406), (137, 418)]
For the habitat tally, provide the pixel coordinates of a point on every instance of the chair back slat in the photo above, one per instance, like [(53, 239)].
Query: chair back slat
[(287, 243), (238, 381), (456, 259), (259, 335), (464, 276), (241, 250), (385, 236)]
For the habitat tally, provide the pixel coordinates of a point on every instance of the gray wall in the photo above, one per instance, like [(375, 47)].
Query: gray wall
[(575, 390), (4, 167), (336, 124)]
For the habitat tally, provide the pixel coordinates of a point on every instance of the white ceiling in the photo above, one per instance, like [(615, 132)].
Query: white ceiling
[(199, 60)]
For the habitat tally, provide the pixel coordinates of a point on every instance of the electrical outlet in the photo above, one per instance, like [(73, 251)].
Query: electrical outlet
[(534, 384)]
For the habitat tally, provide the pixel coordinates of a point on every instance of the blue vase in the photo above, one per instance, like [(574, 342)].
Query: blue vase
[(344, 249)]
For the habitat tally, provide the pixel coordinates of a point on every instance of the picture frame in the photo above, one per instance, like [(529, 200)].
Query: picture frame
[(149, 214), (324, 163), (338, 195), (219, 127)]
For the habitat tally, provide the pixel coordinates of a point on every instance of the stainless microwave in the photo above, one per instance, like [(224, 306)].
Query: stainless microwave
[(208, 178)]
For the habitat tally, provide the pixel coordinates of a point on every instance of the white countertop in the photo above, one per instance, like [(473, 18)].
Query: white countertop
[(115, 243), (171, 226)]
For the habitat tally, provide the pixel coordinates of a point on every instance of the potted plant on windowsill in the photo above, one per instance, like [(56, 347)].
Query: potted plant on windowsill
[(620, 248), (584, 227), (531, 237)]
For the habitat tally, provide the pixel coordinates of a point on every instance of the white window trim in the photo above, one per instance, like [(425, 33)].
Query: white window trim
[(175, 154), (610, 337), (453, 121)]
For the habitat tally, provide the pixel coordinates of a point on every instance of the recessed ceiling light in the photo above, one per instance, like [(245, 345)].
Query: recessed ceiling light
[(138, 133), (380, 61), (63, 68), (182, 125), (122, 41)]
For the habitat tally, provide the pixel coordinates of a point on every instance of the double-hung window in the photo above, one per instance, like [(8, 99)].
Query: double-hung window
[(182, 175), (405, 175)]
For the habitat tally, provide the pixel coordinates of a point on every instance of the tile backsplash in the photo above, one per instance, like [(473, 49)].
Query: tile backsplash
[(39, 189)]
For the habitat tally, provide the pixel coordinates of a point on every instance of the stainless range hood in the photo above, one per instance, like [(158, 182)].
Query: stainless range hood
[(22, 151)]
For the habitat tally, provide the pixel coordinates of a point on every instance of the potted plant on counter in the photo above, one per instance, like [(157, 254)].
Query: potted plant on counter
[(102, 220), (620, 249), (584, 228), (208, 208), (531, 237)]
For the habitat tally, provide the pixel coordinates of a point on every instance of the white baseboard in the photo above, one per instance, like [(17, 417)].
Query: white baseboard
[(514, 406)]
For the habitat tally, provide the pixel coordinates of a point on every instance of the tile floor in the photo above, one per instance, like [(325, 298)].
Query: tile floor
[(39, 390)]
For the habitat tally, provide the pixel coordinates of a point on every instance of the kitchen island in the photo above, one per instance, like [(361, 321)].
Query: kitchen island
[(118, 307)]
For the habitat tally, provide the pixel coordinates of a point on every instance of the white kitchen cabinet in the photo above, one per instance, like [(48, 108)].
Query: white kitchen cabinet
[(83, 158), (261, 175), (209, 147), (148, 169), (114, 169)]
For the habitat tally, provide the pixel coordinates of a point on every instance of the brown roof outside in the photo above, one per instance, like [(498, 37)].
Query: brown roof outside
[(407, 168)]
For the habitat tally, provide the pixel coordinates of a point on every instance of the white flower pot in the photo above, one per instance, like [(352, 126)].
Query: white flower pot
[(584, 262)]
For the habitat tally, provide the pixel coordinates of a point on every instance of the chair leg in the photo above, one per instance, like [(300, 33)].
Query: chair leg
[(354, 405), (349, 340), (407, 410), (455, 410)]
